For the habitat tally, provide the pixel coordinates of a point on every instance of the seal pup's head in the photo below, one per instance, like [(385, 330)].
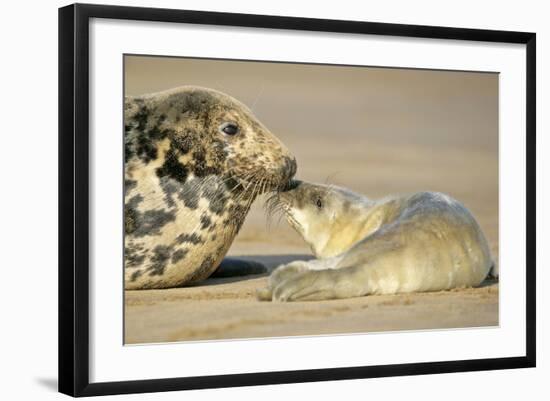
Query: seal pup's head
[(326, 216)]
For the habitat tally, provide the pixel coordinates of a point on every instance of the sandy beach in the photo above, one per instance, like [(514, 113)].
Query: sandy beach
[(381, 132), (227, 308)]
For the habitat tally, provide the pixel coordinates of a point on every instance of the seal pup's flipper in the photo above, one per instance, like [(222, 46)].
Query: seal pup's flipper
[(282, 273), (264, 294), (233, 267), (493, 273)]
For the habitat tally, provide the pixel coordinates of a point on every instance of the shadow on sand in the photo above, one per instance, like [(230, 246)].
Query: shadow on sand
[(247, 267)]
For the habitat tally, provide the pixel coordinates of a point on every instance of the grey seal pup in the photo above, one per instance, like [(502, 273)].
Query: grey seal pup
[(425, 241)]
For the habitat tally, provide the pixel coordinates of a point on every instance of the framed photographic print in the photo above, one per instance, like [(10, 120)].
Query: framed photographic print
[(250, 199)]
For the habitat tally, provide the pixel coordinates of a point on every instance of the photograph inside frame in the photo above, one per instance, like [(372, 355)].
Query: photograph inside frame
[(270, 199)]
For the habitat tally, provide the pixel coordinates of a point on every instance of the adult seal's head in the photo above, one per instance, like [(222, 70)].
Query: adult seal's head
[(195, 159)]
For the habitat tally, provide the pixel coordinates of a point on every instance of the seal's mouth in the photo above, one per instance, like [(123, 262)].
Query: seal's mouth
[(254, 182), (290, 185)]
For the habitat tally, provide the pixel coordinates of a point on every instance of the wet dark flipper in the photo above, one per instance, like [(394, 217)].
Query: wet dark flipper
[(233, 267)]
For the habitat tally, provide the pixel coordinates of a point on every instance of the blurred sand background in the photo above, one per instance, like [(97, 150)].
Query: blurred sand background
[(377, 131)]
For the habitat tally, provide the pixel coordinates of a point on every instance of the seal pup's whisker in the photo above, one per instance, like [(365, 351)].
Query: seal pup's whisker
[(274, 207)]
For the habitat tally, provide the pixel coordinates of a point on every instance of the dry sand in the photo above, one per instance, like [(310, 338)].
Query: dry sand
[(227, 308), (380, 132)]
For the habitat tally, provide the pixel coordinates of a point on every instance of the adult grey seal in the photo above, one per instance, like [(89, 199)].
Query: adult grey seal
[(426, 241), (195, 160)]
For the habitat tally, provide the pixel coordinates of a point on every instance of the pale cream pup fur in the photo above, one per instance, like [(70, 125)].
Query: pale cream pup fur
[(425, 241)]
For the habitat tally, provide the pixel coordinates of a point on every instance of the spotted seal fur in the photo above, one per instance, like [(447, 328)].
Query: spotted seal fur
[(426, 241), (195, 159)]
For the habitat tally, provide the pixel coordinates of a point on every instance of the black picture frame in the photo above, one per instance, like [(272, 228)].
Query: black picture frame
[(74, 201)]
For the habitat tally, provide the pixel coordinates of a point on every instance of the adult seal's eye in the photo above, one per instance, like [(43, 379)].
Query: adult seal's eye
[(319, 203), (230, 129)]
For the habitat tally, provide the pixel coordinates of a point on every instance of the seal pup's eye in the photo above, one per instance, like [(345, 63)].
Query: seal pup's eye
[(319, 203), (230, 129)]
